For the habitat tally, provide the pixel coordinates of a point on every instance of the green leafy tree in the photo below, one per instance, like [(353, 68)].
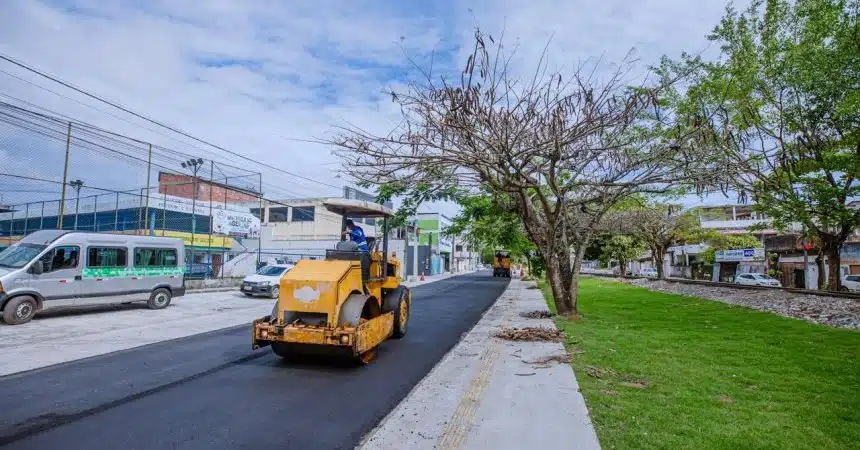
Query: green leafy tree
[(782, 108), (622, 249), (659, 226)]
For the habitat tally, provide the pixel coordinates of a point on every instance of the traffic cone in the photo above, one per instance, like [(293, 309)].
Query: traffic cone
[(422, 277)]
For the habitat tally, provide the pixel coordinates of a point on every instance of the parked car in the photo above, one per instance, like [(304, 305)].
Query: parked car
[(851, 283), (757, 279), (51, 269), (266, 281), (648, 272)]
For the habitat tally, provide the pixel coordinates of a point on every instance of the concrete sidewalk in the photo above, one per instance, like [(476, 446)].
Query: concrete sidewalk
[(493, 394)]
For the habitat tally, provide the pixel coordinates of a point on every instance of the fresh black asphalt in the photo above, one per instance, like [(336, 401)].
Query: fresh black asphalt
[(210, 391)]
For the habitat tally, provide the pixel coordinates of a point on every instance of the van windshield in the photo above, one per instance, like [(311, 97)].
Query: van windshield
[(19, 255)]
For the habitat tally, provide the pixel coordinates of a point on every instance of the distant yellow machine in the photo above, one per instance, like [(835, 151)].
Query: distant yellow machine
[(502, 264), (347, 304)]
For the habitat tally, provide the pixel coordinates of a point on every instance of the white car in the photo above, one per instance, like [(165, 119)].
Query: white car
[(757, 279), (851, 283), (648, 272), (266, 281)]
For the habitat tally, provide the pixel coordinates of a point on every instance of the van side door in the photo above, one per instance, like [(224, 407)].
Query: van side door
[(105, 275), (60, 281)]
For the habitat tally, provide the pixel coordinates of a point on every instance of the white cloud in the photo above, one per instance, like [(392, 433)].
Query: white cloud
[(252, 76)]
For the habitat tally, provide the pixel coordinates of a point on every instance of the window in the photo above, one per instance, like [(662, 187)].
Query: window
[(154, 257), (303, 214), (106, 257), (18, 255), (853, 278), (60, 258), (278, 214)]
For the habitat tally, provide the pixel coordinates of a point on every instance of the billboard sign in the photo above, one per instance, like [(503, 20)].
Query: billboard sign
[(234, 223), (739, 255)]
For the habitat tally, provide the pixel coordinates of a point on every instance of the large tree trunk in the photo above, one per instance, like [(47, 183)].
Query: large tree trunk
[(819, 262), (834, 282), (657, 259), (561, 281)]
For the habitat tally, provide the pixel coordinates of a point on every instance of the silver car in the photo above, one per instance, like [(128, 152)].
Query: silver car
[(51, 269)]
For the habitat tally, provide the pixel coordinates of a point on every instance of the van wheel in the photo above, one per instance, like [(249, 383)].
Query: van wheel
[(159, 299), (19, 310)]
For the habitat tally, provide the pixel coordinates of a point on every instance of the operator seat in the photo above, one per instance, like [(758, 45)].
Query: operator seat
[(348, 251)]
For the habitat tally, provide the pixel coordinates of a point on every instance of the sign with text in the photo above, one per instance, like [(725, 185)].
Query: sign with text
[(739, 255), (234, 223)]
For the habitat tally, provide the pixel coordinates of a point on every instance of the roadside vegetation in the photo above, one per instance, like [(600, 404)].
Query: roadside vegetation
[(669, 371)]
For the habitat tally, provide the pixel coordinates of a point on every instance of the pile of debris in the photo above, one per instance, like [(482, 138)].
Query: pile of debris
[(833, 311), (531, 334), (537, 314)]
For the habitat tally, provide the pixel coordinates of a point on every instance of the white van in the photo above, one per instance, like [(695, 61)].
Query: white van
[(51, 269)]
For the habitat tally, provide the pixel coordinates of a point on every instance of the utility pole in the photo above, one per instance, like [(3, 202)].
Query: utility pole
[(194, 166), (148, 174), (77, 185), (415, 252), (65, 178), (262, 214)]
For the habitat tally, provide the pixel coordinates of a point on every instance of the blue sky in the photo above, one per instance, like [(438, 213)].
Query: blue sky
[(262, 77)]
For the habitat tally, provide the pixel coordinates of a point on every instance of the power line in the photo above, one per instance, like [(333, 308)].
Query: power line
[(148, 119)]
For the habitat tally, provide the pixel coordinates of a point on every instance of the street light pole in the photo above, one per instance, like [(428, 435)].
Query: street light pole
[(194, 166), (77, 185)]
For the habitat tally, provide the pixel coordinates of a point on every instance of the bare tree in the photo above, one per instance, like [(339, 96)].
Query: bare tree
[(564, 147)]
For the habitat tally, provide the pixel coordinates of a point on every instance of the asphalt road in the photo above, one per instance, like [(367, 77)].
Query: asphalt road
[(210, 391)]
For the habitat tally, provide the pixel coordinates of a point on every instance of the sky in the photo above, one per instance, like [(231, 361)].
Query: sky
[(267, 78)]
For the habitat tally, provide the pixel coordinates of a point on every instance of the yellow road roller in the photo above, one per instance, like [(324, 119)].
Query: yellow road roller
[(346, 304)]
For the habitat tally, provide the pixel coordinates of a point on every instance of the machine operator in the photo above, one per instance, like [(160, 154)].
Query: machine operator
[(356, 234)]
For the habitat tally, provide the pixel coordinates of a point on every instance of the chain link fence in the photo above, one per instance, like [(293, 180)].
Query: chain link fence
[(58, 173)]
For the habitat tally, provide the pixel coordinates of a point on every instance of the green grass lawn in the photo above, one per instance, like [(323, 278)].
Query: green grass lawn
[(669, 371)]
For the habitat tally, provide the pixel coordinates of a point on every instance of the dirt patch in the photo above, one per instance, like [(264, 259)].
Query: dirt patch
[(641, 384), (726, 400), (531, 334), (537, 314), (549, 361), (597, 372)]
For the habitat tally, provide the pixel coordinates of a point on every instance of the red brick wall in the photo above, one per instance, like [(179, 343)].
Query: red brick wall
[(183, 186)]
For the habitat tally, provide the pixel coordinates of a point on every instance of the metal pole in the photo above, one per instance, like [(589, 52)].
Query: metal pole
[(260, 237), (211, 180), (116, 214), (11, 226), (224, 251), (141, 219), (65, 179), (193, 211), (148, 175), (42, 217), (26, 218), (96, 213), (805, 262), (164, 215), (415, 253), (77, 201)]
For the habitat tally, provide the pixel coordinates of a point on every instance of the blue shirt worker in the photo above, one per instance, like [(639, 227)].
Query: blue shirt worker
[(356, 234)]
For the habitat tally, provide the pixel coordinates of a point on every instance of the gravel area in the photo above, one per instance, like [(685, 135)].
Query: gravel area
[(833, 311)]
